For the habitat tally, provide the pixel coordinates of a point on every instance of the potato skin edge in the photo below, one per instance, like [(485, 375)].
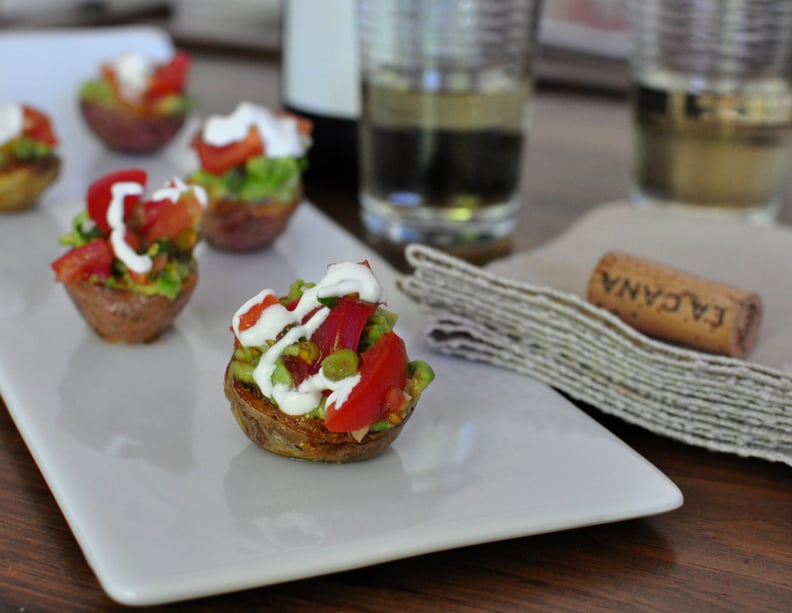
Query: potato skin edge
[(306, 439), (23, 184), (127, 317), (238, 226), (128, 133)]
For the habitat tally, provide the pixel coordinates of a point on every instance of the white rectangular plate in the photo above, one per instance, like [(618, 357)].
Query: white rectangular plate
[(170, 501)]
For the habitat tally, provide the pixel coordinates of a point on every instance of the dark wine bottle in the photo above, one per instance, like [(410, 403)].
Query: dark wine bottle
[(320, 81)]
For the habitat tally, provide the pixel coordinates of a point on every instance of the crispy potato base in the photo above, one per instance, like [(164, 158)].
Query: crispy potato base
[(235, 226), (123, 316), (294, 437), (22, 185), (122, 131)]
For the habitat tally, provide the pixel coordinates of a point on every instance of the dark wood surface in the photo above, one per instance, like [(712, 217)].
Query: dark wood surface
[(729, 548)]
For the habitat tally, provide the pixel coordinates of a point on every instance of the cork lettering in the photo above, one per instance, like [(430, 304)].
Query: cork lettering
[(669, 302), (651, 296), (699, 310), (671, 305), (629, 289), (721, 316), (609, 283)]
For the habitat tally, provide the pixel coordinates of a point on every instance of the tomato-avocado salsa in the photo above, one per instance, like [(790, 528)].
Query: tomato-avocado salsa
[(141, 86), (29, 163), (25, 134), (137, 105), (252, 155), (125, 241), (328, 351)]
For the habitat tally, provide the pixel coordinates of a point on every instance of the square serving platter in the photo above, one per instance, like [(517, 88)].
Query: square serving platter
[(167, 498)]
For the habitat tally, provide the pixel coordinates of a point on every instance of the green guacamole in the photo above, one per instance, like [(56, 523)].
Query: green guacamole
[(245, 359), (259, 178)]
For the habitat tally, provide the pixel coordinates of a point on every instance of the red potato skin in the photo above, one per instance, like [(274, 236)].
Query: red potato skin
[(128, 133), (295, 437), (127, 317), (241, 226), (21, 185)]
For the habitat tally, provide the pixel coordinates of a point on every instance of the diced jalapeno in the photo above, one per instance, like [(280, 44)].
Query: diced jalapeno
[(340, 364), (307, 351), (419, 376)]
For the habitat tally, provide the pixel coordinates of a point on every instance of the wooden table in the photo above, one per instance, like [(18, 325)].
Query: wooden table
[(728, 548)]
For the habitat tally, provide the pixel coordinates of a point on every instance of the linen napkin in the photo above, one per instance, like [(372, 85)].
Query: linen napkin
[(513, 315)]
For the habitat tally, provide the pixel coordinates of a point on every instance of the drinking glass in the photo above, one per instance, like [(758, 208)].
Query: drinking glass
[(446, 96), (711, 94)]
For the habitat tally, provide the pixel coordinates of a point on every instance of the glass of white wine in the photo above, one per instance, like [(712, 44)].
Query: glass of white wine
[(711, 100), (446, 90)]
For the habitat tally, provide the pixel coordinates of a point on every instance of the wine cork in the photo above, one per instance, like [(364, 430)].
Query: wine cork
[(668, 304)]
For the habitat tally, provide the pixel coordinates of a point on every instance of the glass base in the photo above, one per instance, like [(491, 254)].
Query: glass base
[(442, 227), (760, 215)]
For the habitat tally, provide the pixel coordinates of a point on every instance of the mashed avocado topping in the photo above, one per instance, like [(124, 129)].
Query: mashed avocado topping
[(167, 282), (23, 149), (298, 355), (102, 92), (260, 178), (25, 134)]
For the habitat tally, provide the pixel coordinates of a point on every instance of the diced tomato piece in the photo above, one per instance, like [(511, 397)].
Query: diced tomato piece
[(141, 278), (395, 400), (170, 78), (109, 76), (132, 239), (298, 368), (100, 194), (249, 318), (343, 326), (109, 73), (382, 367), (94, 258), (150, 212), (168, 219), (158, 263), (217, 160), (38, 127)]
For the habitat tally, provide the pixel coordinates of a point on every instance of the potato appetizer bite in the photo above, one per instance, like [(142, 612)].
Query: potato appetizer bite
[(28, 162), (320, 374), (251, 165), (130, 269), (136, 105)]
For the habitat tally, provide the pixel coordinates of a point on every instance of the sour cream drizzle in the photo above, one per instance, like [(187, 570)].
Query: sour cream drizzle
[(133, 71), (141, 262), (12, 121), (340, 279), (175, 187), (280, 134)]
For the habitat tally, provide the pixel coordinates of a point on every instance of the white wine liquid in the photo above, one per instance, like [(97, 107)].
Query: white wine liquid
[(440, 158), (722, 152)]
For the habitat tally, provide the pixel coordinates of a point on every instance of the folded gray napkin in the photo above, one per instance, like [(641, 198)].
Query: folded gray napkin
[(719, 403)]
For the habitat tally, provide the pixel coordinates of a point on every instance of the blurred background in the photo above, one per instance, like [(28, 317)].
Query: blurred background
[(584, 41)]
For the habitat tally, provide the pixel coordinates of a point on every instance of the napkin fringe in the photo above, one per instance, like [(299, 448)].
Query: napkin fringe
[(716, 402)]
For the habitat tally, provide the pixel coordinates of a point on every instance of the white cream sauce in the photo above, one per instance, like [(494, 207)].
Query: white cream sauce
[(140, 263), (175, 188), (172, 190), (133, 71), (12, 121), (341, 279), (280, 135)]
